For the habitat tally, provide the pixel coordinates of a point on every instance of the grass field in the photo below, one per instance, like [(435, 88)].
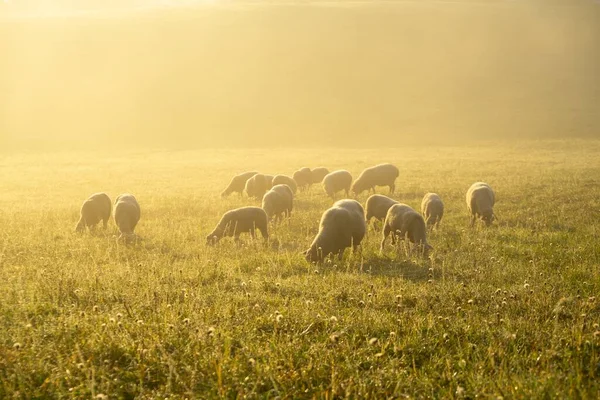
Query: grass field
[(510, 311)]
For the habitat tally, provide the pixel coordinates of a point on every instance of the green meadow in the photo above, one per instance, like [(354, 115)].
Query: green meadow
[(509, 311)]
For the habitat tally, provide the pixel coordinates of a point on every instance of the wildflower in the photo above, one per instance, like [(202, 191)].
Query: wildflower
[(119, 324), (392, 334), (277, 284), (140, 322), (17, 346), (186, 321), (82, 313), (101, 396), (460, 391), (458, 309), (526, 286), (28, 326), (334, 337), (498, 291), (210, 331), (171, 326), (471, 301), (372, 341), (592, 299), (369, 294), (119, 315), (333, 319), (95, 308), (595, 326), (361, 303), (308, 302), (279, 318), (251, 361), (80, 365), (445, 336), (243, 284), (112, 320), (378, 355), (429, 281), (316, 271), (398, 297), (277, 312)]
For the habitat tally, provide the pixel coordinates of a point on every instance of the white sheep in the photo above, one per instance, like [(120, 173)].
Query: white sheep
[(95, 209), (379, 175), (285, 180), (303, 178), (402, 221), (337, 181), (480, 202), (277, 201), (238, 183), (377, 206), (432, 208), (256, 186), (341, 226), (127, 214), (235, 222), (318, 174)]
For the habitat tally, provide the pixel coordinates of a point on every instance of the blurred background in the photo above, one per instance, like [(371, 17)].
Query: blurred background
[(112, 74)]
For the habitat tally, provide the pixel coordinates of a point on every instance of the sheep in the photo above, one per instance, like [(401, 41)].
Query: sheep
[(377, 206), (303, 178), (237, 221), (95, 209), (480, 202), (379, 175), (337, 181), (268, 182), (285, 180), (401, 220), (127, 214), (238, 183), (341, 226), (279, 200), (432, 208), (256, 186), (318, 174)]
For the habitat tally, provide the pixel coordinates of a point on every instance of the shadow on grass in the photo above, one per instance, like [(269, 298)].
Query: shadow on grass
[(397, 268)]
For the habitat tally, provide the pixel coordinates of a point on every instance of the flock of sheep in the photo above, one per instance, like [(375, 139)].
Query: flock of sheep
[(342, 226)]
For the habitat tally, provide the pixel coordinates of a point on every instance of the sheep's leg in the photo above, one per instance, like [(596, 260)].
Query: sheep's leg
[(472, 220), (386, 232), (105, 223), (392, 188), (340, 254)]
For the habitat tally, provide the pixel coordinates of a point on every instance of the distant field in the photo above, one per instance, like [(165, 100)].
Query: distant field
[(510, 311)]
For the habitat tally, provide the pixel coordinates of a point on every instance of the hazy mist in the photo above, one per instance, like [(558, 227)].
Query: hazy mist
[(94, 74)]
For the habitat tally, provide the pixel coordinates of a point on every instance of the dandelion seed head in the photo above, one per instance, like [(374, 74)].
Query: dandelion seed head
[(17, 346)]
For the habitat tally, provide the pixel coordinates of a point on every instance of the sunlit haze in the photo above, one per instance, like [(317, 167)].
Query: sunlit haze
[(217, 73)]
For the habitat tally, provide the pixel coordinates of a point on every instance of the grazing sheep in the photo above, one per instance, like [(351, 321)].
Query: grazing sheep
[(95, 209), (432, 208), (240, 220), (377, 206), (379, 175), (303, 178), (336, 181), (238, 183), (480, 201), (401, 220), (269, 181), (256, 186), (341, 226), (277, 201), (318, 174), (285, 180), (127, 214)]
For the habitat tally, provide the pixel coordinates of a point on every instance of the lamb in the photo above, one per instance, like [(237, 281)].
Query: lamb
[(377, 206), (303, 178), (127, 214), (235, 222), (95, 209), (401, 220), (318, 174), (256, 186), (238, 183), (336, 181), (480, 201), (277, 201), (285, 180), (379, 175), (341, 226), (432, 208)]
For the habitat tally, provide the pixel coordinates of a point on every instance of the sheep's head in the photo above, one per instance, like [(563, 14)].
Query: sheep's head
[(488, 217), (80, 226), (314, 254), (357, 187), (211, 239)]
